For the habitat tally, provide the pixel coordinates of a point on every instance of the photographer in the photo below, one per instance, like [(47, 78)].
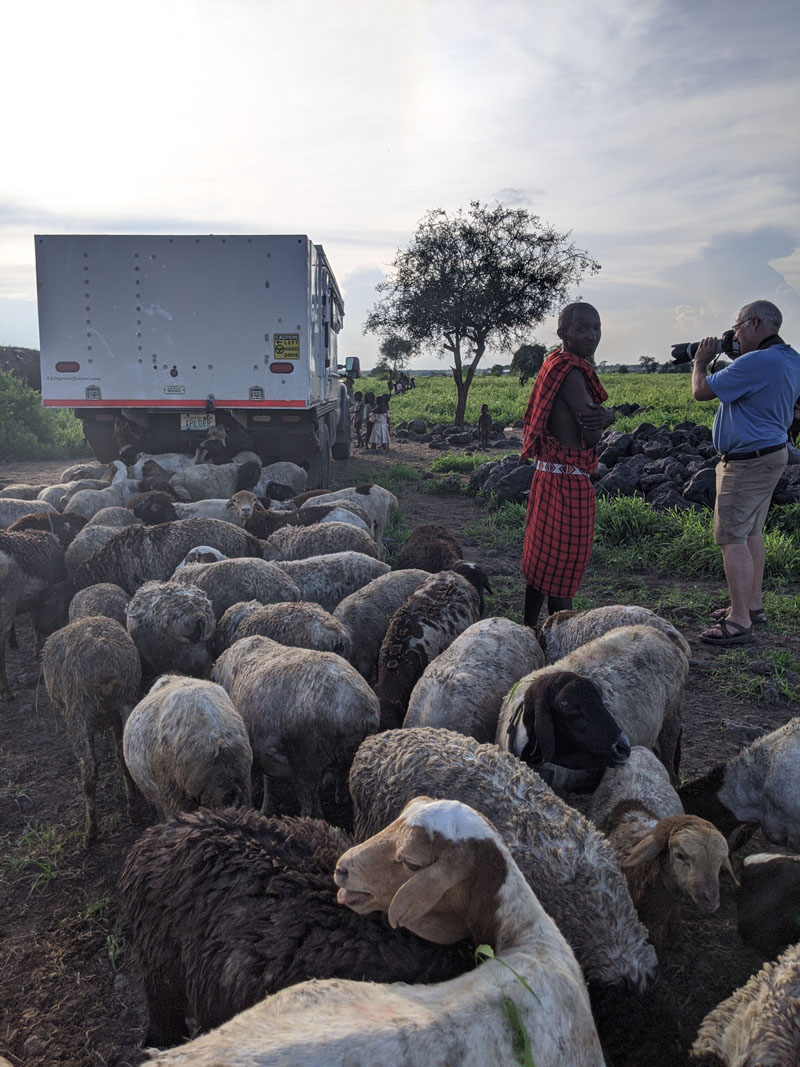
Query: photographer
[(757, 394)]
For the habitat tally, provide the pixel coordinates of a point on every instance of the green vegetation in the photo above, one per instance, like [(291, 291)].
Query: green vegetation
[(28, 431), (39, 853)]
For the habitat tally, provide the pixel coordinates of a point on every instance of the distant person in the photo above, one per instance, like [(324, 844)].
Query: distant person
[(349, 385), (484, 425), (380, 420), (412, 384), (370, 403), (758, 394), (390, 384), (563, 423), (358, 418)]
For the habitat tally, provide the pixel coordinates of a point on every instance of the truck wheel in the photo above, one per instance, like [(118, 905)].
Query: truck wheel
[(341, 445), (341, 450), (319, 466)]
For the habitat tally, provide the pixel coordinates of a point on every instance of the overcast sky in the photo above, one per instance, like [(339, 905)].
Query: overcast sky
[(663, 134)]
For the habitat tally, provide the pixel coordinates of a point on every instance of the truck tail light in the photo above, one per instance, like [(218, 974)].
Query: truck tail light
[(281, 368), (67, 367)]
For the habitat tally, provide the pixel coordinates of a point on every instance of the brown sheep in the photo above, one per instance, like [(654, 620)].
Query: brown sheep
[(429, 548)]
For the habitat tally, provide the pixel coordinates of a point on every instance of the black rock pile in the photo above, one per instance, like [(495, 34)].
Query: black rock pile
[(443, 437), (669, 468)]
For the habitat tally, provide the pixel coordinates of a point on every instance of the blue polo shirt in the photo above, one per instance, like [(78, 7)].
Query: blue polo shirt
[(758, 392)]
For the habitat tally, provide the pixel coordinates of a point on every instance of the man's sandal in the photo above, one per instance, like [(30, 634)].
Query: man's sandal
[(730, 633), (757, 615)]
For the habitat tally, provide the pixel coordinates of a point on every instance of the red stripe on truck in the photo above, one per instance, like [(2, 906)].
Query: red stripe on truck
[(177, 404)]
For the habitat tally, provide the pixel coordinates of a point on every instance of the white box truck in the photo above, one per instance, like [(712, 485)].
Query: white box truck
[(152, 340)]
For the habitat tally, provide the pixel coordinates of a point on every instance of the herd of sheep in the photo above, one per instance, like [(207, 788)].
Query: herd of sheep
[(508, 788)]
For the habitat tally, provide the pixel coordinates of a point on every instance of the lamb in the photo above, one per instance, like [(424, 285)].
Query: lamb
[(232, 580), (463, 688), (202, 554), (91, 538), (115, 516), (301, 542), (206, 480), (569, 865), (758, 1023), (759, 785), (92, 674), (283, 473), (564, 631), (432, 617), (171, 626), (306, 712), (101, 599), (428, 871), (259, 521), (368, 611), (21, 491), (11, 509), (212, 886), (329, 578), (768, 902), (65, 527), (31, 561), (430, 548), (88, 501), (156, 506), (667, 856), (54, 495), (186, 745), (84, 470), (214, 446), (302, 625), (379, 504), (143, 553), (638, 672)]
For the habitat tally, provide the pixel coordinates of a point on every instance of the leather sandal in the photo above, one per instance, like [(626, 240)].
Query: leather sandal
[(730, 633), (757, 615)]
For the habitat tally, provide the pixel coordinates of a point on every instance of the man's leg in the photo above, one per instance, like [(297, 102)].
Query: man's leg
[(756, 545), (739, 574), (533, 605), (559, 603)]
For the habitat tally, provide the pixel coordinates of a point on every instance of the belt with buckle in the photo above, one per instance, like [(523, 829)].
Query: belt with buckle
[(729, 457)]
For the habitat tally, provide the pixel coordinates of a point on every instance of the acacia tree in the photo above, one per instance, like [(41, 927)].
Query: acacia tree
[(527, 361), (396, 352), (476, 279)]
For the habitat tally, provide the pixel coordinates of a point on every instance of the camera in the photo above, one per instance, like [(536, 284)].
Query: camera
[(726, 346)]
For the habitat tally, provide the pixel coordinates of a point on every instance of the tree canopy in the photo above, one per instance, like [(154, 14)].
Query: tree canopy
[(473, 280), (395, 352), (527, 361)]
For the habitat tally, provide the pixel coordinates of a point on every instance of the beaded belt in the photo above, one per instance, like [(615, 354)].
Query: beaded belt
[(558, 468)]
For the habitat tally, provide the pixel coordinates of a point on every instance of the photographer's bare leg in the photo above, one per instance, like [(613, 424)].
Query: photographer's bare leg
[(740, 574)]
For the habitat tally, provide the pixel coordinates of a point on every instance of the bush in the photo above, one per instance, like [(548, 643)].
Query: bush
[(29, 431)]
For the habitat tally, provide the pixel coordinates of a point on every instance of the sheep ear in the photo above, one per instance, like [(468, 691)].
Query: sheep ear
[(422, 892), (543, 718), (648, 848)]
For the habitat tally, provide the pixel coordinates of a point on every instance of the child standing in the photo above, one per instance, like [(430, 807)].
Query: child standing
[(484, 425), (358, 418), (380, 432), (369, 411)]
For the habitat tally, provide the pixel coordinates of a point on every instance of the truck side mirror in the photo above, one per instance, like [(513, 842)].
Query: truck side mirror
[(352, 367)]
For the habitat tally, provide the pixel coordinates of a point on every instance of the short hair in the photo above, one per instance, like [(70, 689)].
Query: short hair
[(565, 315), (765, 311)]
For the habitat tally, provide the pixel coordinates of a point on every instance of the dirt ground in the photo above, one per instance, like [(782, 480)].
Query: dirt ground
[(68, 985)]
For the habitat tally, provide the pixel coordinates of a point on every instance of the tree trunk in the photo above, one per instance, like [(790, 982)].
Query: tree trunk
[(463, 383)]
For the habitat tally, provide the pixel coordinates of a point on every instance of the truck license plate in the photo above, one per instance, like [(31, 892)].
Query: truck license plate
[(198, 422)]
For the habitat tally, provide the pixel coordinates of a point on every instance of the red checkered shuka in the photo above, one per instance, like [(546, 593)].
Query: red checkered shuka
[(559, 527)]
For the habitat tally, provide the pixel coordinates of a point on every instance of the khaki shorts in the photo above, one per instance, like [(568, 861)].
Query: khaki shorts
[(744, 491)]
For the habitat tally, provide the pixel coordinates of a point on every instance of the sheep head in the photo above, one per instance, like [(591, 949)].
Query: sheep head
[(693, 850), (564, 720), (436, 870)]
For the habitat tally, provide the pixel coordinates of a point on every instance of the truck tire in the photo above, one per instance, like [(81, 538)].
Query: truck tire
[(319, 466)]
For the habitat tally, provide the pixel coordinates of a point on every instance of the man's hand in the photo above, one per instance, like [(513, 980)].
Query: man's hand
[(706, 351), (593, 418)]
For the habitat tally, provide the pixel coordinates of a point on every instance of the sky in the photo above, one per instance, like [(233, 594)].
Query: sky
[(663, 135)]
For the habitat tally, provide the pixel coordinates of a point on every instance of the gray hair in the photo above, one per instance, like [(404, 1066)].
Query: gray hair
[(765, 311)]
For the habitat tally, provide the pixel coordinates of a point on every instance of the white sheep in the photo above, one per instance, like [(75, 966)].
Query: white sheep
[(668, 857), (568, 864), (758, 1024), (341, 511), (564, 631), (232, 580), (761, 784), (215, 480), (442, 871), (463, 688), (12, 509), (638, 672), (306, 712), (171, 625), (186, 745), (283, 473), (324, 538), (368, 611), (329, 578), (168, 461), (378, 502), (301, 624), (87, 502)]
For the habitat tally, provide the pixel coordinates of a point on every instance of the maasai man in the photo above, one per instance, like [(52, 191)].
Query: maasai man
[(563, 424)]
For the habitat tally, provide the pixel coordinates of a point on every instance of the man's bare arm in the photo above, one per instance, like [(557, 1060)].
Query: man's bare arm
[(706, 351), (578, 421)]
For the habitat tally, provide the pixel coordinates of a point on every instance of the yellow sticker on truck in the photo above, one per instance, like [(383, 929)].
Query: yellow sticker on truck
[(286, 345)]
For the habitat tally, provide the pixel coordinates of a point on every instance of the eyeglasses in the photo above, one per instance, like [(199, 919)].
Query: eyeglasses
[(744, 322)]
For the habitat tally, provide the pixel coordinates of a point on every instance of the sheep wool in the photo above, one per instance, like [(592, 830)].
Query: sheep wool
[(301, 624), (231, 580), (171, 625)]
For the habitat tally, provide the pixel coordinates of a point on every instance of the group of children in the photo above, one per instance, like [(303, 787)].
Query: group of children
[(375, 415)]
